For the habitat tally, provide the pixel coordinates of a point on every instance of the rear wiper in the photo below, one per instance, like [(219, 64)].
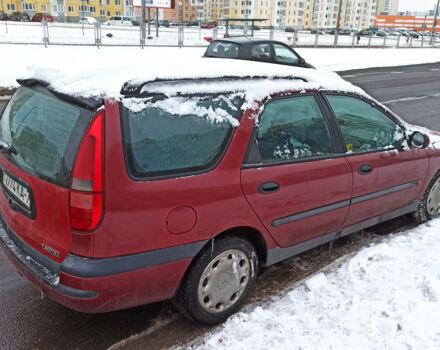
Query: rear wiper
[(5, 148)]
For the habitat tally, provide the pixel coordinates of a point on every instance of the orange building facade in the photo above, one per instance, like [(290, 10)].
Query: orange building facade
[(419, 23)]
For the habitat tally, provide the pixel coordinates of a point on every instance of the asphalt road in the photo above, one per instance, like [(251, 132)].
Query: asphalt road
[(27, 321)]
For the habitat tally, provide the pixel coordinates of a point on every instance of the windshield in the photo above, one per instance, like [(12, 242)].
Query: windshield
[(222, 49), (45, 133)]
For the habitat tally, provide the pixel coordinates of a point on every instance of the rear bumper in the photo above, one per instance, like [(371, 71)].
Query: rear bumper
[(101, 285)]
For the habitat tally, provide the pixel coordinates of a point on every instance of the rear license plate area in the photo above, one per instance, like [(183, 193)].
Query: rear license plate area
[(18, 193)]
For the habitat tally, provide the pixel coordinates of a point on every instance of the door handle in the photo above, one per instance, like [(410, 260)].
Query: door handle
[(269, 187), (365, 169)]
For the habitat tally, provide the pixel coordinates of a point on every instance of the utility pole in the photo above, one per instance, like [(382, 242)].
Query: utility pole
[(337, 23), (435, 22), (144, 18)]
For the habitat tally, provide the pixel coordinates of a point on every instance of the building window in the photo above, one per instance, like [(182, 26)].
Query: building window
[(118, 13), (11, 7), (118, 2), (26, 6), (102, 12), (92, 9), (71, 9), (108, 14), (43, 8)]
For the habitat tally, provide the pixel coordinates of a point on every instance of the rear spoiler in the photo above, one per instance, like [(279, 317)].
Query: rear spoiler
[(91, 103)]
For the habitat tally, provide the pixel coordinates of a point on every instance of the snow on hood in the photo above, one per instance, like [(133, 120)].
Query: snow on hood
[(107, 80)]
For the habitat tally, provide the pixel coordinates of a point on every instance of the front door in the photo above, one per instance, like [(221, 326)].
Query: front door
[(387, 174)]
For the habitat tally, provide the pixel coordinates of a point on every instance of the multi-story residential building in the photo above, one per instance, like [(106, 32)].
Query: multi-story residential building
[(387, 7)]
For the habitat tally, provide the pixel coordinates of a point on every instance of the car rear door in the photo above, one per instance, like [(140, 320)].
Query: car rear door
[(387, 174), (293, 177), (40, 136)]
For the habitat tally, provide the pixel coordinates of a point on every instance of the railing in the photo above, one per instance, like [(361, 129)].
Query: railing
[(103, 35)]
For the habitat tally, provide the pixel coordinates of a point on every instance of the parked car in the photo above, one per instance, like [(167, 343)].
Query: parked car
[(252, 49), (345, 32), (317, 31), (381, 33), (185, 187), (119, 21), (3, 16), (165, 24), (19, 17), (38, 17), (209, 25), (290, 29), (365, 32), (87, 20)]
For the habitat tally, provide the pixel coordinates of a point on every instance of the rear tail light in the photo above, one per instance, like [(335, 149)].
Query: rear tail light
[(86, 197)]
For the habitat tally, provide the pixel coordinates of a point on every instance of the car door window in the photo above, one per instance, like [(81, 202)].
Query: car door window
[(261, 52), (284, 55), (293, 128), (364, 127)]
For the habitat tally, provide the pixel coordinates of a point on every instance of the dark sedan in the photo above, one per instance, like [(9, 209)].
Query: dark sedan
[(251, 49)]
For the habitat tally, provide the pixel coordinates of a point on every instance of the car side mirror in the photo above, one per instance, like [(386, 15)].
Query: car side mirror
[(418, 140)]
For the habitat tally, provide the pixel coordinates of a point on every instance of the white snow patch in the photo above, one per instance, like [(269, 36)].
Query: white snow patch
[(387, 296)]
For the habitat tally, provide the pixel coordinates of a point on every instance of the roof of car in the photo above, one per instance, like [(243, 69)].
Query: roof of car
[(182, 68), (246, 40)]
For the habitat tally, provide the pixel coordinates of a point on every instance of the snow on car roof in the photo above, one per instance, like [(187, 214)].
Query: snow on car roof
[(107, 79)]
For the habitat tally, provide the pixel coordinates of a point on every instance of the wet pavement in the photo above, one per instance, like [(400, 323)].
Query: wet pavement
[(29, 322)]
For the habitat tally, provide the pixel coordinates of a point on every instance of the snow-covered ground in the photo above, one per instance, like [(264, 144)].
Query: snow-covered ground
[(22, 60), (386, 296)]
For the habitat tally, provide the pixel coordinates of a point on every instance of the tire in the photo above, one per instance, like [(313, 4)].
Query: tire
[(218, 281), (430, 204)]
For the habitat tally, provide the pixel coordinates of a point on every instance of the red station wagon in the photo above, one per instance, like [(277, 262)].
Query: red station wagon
[(108, 204)]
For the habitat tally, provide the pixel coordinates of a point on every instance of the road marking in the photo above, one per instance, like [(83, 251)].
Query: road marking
[(349, 76), (396, 72), (434, 69), (411, 98)]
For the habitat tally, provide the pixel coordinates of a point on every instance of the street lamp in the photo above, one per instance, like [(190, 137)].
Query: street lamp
[(435, 21), (337, 23)]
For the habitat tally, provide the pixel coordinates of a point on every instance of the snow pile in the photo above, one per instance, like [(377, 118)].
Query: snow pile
[(387, 296)]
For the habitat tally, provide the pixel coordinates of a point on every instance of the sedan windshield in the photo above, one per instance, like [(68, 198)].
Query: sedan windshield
[(222, 49)]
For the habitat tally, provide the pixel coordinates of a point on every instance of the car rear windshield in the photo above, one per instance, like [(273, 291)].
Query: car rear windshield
[(222, 49), (177, 135), (45, 132)]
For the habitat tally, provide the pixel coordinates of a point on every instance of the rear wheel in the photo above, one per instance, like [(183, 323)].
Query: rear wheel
[(218, 281), (430, 205)]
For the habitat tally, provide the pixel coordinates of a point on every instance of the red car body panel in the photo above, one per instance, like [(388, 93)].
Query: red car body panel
[(151, 230)]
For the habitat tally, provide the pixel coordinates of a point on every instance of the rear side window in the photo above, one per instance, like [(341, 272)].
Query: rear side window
[(284, 55), (45, 131), (222, 50), (177, 135), (291, 129)]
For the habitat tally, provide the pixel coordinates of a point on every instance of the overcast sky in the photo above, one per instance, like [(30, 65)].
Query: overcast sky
[(416, 5)]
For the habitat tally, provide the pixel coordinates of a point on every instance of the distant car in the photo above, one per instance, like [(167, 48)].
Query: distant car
[(381, 33), (164, 24), (3, 16), (251, 49), (344, 32), (330, 31), (38, 17), (119, 21), (365, 32), (290, 30), (209, 25), (19, 17), (87, 20), (317, 31)]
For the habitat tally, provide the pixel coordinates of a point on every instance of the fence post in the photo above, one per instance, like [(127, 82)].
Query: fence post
[(316, 39), (214, 33), (295, 37), (271, 33), (410, 41), (97, 31), (369, 41), (352, 41), (398, 41), (180, 36), (384, 41), (45, 32), (423, 40)]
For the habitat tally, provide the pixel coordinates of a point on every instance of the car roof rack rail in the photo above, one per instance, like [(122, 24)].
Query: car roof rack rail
[(135, 87)]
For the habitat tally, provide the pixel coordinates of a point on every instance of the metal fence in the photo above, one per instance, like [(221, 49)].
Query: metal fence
[(103, 35)]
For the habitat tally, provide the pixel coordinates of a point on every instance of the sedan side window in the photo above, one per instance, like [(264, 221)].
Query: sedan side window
[(284, 55), (364, 127), (261, 52), (293, 128)]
